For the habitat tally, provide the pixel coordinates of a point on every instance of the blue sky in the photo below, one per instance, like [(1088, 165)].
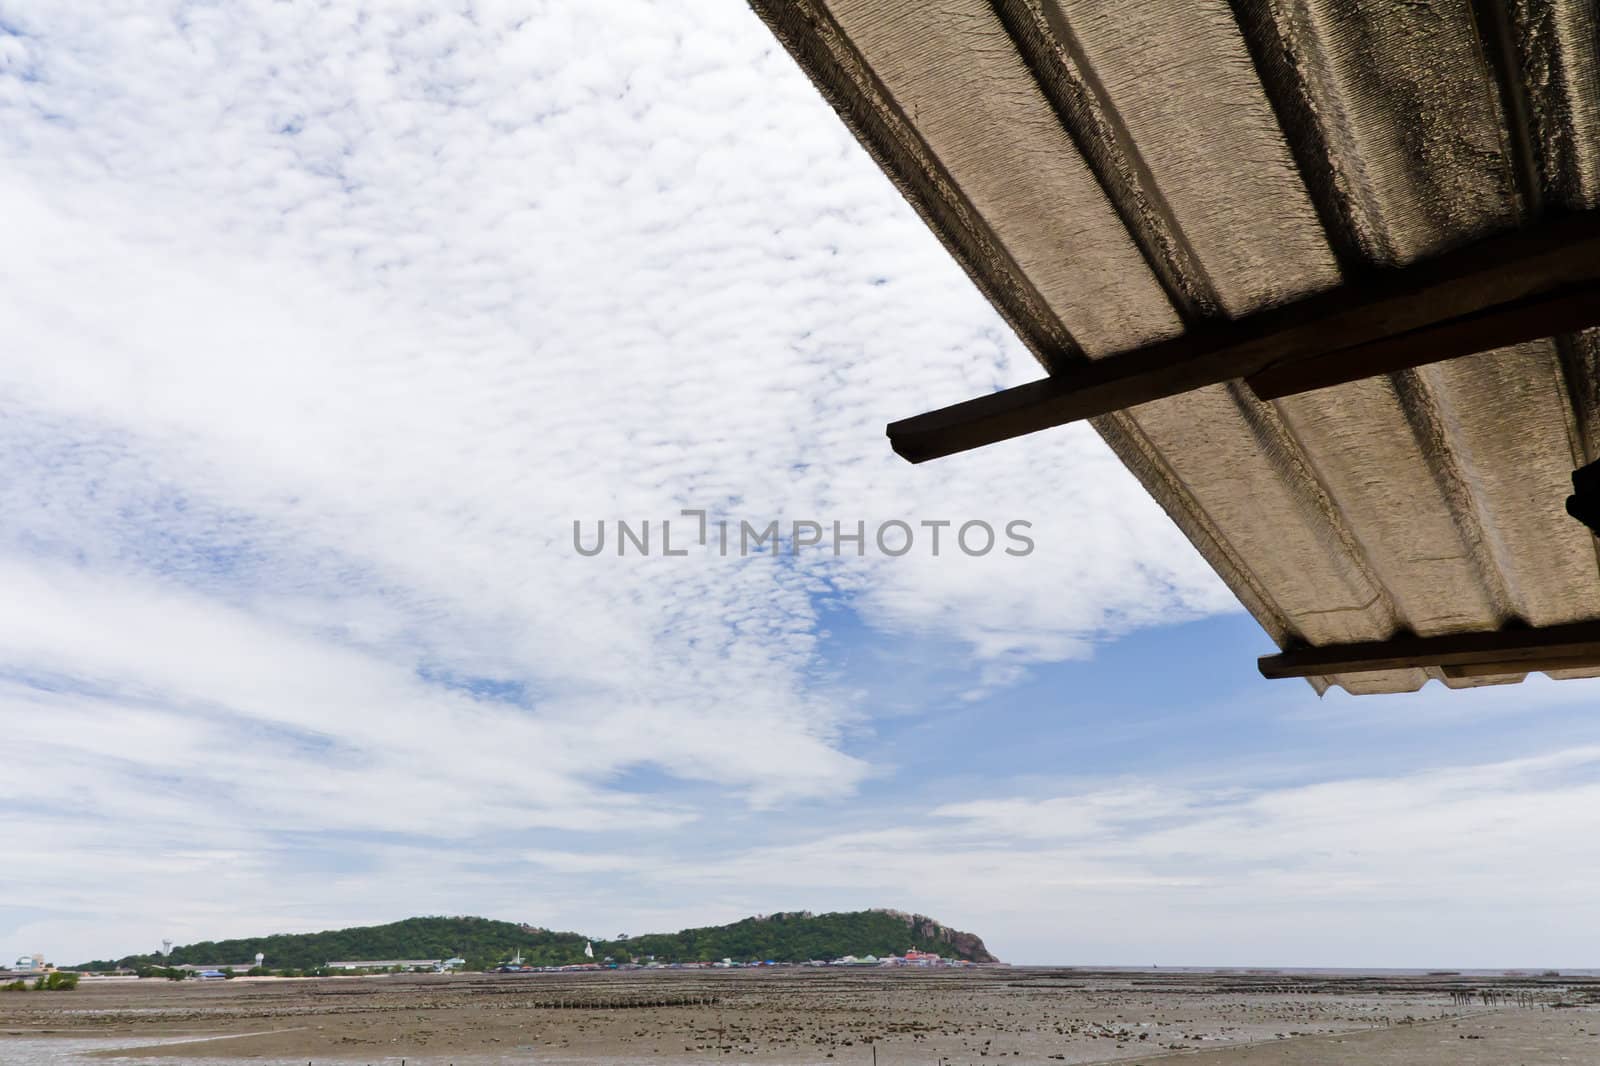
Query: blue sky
[(322, 326)]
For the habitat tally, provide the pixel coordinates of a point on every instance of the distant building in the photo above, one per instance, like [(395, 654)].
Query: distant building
[(215, 967), (441, 965)]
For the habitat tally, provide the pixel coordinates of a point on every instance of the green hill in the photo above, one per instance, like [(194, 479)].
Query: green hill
[(414, 938), (798, 936), (792, 937)]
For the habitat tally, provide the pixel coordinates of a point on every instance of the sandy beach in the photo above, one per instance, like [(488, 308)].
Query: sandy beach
[(793, 1016)]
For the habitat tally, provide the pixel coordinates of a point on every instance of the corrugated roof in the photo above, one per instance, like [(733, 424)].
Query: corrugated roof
[(1112, 174)]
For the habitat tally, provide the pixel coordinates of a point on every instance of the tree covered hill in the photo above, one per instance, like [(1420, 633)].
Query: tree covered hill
[(798, 936), (414, 938), (791, 937)]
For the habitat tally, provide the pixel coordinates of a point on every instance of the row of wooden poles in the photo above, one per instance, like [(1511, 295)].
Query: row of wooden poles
[(621, 1003), (1499, 997)]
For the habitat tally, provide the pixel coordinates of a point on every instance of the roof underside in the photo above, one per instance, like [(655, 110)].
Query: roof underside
[(1112, 174)]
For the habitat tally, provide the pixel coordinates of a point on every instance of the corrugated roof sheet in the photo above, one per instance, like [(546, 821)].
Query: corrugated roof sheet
[(1111, 174)]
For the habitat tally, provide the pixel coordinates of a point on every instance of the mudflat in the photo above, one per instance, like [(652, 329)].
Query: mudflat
[(786, 1017)]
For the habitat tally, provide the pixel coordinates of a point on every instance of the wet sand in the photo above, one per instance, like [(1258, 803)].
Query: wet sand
[(786, 1017)]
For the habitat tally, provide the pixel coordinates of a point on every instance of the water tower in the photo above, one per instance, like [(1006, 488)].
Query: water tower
[(259, 957)]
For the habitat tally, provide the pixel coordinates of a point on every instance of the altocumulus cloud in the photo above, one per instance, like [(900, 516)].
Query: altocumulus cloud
[(322, 324)]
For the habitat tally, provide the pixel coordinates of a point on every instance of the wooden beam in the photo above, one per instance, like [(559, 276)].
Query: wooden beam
[(1563, 311), (1506, 651), (1516, 287)]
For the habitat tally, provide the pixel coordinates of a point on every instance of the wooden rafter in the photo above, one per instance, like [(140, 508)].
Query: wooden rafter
[(1506, 651), (1505, 290)]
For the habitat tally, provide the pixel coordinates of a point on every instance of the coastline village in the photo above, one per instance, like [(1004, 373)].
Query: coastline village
[(35, 967), (912, 957)]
